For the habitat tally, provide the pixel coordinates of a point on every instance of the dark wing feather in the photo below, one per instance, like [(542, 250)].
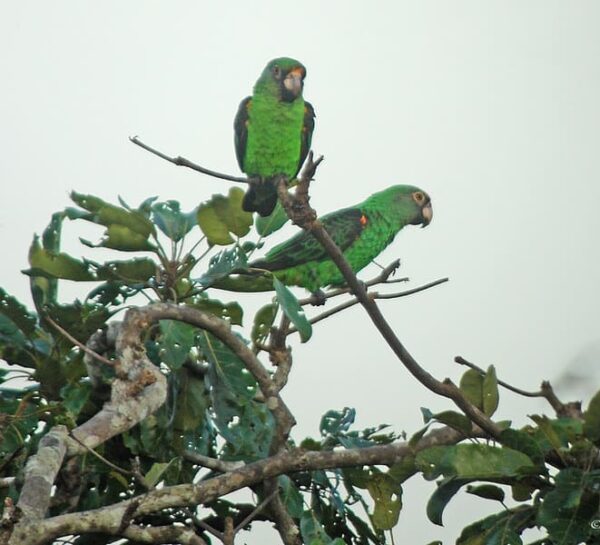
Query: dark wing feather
[(307, 130), (240, 129), (344, 226)]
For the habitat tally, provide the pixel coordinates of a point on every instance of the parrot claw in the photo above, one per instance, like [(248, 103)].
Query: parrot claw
[(319, 298)]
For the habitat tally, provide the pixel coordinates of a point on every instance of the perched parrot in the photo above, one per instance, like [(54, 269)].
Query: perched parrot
[(362, 232), (273, 130)]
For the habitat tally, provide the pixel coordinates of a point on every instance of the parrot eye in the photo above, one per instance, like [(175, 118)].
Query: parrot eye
[(418, 197), (276, 71)]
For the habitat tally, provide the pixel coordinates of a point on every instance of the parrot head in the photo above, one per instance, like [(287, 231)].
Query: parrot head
[(285, 77), (411, 203)]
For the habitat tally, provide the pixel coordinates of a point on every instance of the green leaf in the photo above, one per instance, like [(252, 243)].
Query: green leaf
[(191, 402), (154, 475), (471, 385), (521, 491), (224, 215), (499, 529), (403, 470), (176, 342), (563, 513), (246, 424), (135, 270), (427, 415), (124, 239), (75, 396), (455, 420), (292, 309), (223, 264), (232, 312), (547, 431), (591, 419), (291, 496), (445, 491), (56, 265), (336, 422), (414, 440), (490, 391), (17, 313), (312, 530), (263, 320), (472, 461), (523, 442), (271, 223), (171, 221), (51, 235), (109, 215), (487, 491), (387, 495)]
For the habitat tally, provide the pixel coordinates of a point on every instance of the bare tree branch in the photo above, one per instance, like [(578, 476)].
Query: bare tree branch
[(183, 162), (163, 534), (137, 391)]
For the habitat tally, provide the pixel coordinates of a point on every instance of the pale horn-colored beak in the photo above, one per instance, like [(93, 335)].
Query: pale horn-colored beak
[(427, 213), (293, 81)]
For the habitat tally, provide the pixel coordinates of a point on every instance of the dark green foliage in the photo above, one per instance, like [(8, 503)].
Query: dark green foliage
[(292, 309), (213, 408)]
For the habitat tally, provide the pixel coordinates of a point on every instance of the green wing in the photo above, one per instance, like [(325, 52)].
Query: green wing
[(344, 226), (240, 129), (308, 127)]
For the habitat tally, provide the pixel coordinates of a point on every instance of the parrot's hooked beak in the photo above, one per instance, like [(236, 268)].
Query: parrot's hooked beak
[(427, 213), (293, 81)]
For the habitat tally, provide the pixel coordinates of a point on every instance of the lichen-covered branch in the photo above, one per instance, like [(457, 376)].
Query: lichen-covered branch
[(138, 389), (40, 472)]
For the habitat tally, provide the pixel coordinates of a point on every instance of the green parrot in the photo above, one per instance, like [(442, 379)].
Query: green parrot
[(362, 232), (273, 130)]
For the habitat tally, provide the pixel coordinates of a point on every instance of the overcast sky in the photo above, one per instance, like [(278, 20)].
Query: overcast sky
[(491, 107)]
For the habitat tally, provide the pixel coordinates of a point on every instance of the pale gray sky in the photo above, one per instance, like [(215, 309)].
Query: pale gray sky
[(492, 107)]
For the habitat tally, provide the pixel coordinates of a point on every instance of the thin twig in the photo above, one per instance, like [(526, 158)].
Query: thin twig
[(208, 528), (70, 337), (571, 409), (381, 278), (462, 361), (117, 468), (183, 162), (373, 295), (255, 512)]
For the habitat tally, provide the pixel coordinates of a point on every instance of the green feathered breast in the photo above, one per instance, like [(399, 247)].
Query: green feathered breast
[(273, 130)]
